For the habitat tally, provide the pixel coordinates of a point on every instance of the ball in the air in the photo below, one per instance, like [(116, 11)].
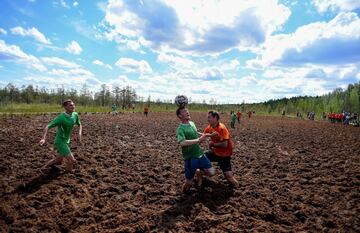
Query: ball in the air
[(181, 100)]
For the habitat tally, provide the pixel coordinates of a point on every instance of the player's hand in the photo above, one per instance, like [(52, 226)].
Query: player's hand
[(202, 138), (42, 142), (215, 134), (211, 145)]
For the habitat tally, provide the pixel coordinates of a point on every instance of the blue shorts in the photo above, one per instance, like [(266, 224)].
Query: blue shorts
[(195, 163)]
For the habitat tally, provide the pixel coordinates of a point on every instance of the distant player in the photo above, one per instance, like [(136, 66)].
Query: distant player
[(238, 116), (146, 111), (64, 123), (114, 109), (193, 155), (283, 113), (221, 146), (249, 114), (233, 119)]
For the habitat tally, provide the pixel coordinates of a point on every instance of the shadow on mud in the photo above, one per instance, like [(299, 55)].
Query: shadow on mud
[(210, 196), (38, 181)]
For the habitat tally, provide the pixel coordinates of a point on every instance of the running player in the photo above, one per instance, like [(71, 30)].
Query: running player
[(64, 122), (193, 155), (221, 146)]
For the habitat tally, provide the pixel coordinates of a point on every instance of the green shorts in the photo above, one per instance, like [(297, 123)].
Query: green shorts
[(62, 148)]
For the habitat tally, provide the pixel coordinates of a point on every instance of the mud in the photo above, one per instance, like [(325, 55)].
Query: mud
[(295, 175)]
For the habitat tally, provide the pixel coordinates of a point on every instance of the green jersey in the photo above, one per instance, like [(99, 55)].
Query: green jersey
[(113, 108), (65, 123), (189, 132), (233, 117)]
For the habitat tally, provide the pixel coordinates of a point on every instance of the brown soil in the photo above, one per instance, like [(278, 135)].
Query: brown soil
[(295, 175)]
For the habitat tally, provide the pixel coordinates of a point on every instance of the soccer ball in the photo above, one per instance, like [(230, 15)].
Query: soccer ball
[(181, 100)]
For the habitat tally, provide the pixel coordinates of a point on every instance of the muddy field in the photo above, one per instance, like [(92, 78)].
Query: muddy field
[(295, 175)]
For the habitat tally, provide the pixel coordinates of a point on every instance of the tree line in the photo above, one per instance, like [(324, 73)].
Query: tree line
[(121, 96), (336, 101), (339, 100)]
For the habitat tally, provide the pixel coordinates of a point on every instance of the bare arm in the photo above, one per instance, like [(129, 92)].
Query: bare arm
[(223, 144), (213, 134), (42, 141), (193, 141)]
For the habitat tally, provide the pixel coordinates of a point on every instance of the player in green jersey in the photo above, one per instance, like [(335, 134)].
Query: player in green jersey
[(64, 122), (193, 155)]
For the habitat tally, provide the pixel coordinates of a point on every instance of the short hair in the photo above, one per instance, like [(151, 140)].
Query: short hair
[(66, 102), (214, 114), (178, 110)]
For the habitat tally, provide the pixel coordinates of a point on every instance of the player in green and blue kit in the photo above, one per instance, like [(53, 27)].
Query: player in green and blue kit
[(64, 122)]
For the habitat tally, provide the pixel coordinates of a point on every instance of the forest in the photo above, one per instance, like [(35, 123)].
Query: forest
[(338, 100)]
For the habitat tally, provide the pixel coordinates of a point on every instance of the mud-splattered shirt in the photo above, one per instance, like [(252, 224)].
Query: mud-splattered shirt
[(189, 132), (65, 123)]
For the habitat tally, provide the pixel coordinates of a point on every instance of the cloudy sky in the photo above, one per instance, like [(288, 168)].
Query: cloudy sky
[(229, 50)]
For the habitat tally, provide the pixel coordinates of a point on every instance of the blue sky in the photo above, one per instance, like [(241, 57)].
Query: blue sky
[(229, 51)]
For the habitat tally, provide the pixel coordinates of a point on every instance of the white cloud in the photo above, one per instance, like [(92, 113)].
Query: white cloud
[(14, 53), (176, 61), (68, 82), (231, 65), (132, 65), (74, 48), (56, 61), (100, 63), (64, 4), (75, 4), (311, 80), (192, 27), (77, 72), (97, 62), (333, 42), (342, 5), (73, 78), (32, 32), (3, 31)]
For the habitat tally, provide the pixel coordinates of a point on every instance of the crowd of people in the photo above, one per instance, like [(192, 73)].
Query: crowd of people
[(345, 117)]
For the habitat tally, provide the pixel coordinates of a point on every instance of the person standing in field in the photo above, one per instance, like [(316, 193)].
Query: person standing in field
[(193, 155), (146, 111), (233, 119), (220, 147), (238, 116), (64, 123), (113, 109)]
